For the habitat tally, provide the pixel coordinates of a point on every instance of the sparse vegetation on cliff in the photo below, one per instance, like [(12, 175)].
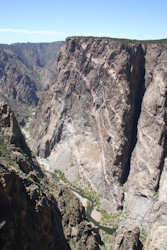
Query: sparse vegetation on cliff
[(122, 40)]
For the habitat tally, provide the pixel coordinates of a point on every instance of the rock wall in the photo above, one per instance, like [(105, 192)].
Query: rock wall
[(107, 112), (92, 108), (148, 158)]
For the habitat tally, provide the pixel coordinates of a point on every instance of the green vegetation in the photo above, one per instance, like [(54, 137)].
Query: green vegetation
[(78, 176), (103, 247), (143, 235), (108, 224), (88, 192), (123, 40), (92, 201), (110, 220), (156, 192), (123, 189), (72, 164), (88, 206), (5, 152)]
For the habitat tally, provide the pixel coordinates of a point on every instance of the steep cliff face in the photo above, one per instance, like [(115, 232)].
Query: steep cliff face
[(107, 113), (25, 70), (36, 212), (92, 108), (146, 186), (148, 158)]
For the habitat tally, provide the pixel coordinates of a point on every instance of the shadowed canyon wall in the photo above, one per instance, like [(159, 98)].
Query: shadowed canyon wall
[(35, 211), (26, 69)]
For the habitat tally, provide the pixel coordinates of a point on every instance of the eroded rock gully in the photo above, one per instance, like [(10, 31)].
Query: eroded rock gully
[(106, 111)]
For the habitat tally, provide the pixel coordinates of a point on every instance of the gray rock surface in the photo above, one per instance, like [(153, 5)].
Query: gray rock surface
[(91, 110), (147, 161), (127, 239), (156, 238), (107, 113)]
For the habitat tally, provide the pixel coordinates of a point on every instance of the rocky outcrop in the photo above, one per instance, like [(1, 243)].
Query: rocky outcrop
[(36, 213), (127, 239)]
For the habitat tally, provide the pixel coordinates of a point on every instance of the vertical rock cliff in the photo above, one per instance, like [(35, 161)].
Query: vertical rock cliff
[(146, 186), (148, 158), (107, 112), (92, 108)]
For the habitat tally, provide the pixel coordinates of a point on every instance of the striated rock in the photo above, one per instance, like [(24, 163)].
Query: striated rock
[(89, 113), (156, 238), (127, 239), (106, 113), (148, 158), (31, 215)]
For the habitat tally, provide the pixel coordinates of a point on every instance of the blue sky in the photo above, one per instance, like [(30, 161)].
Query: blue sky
[(53, 20)]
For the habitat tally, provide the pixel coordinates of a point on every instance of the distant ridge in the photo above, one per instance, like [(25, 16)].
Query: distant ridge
[(25, 70)]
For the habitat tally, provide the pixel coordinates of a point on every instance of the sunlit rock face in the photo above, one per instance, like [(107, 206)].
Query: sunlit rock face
[(148, 158), (90, 111), (107, 113)]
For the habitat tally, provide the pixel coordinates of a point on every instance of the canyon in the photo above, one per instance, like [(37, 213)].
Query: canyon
[(101, 125), (36, 211), (25, 71)]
